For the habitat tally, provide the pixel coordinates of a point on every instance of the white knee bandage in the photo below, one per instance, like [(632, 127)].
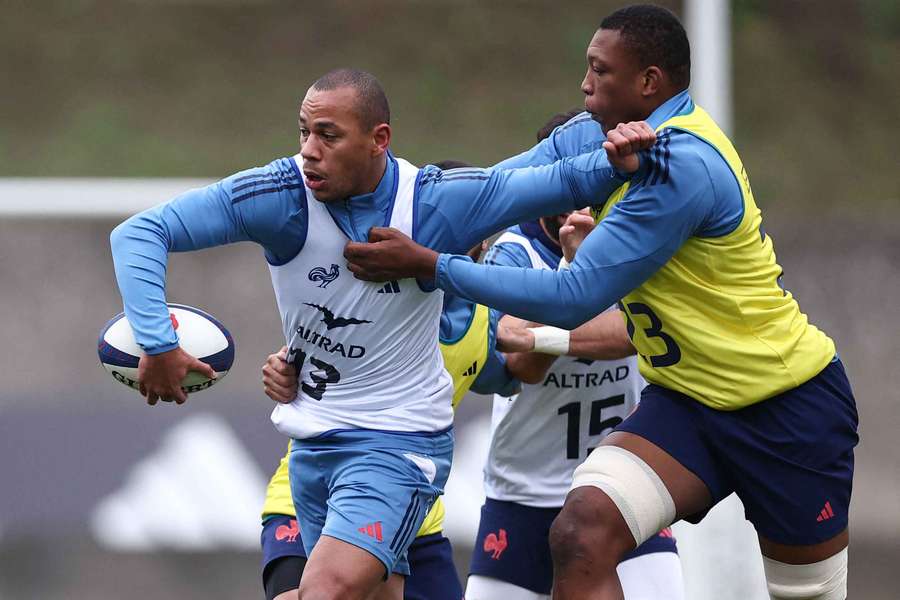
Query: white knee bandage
[(824, 580), (633, 486)]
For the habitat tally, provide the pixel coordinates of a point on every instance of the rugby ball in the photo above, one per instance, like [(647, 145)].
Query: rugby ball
[(199, 334)]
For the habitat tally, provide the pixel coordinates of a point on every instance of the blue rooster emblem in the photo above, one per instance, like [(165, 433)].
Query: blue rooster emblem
[(324, 277)]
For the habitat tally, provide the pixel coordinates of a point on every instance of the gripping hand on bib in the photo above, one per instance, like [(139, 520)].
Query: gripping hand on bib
[(279, 377), (389, 255)]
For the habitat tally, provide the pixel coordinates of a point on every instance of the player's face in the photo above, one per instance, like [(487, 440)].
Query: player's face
[(338, 155), (613, 83), (552, 225)]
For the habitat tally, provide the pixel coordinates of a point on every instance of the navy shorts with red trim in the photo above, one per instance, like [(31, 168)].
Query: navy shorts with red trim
[(789, 458), (513, 545)]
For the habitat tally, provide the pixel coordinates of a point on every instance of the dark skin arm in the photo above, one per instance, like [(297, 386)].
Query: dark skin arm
[(522, 363), (602, 338)]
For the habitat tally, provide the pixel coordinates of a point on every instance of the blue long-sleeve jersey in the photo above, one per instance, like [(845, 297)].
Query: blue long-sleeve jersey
[(454, 210), (668, 202)]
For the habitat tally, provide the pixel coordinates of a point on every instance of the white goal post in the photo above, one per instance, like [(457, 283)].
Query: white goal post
[(86, 197)]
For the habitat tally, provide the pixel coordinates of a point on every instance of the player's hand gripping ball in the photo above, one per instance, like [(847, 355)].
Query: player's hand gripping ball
[(199, 334)]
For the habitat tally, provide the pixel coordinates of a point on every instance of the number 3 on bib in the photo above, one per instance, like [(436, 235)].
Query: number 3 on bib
[(672, 354)]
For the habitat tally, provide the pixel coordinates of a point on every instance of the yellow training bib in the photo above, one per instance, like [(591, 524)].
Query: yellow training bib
[(714, 323)]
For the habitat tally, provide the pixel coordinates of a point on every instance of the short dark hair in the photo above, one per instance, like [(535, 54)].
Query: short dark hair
[(555, 121), (656, 37), (372, 106)]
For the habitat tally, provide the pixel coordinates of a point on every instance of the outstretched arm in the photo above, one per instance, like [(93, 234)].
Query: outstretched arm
[(459, 207), (641, 233), (225, 212), (602, 338), (252, 205)]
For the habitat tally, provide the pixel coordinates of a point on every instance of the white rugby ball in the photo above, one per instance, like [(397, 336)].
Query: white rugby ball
[(199, 334)]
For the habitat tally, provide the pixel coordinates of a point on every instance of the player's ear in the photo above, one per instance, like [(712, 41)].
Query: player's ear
[(381, 137), (651, 81)]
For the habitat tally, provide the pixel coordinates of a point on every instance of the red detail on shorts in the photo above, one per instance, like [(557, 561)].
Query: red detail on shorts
[(496, 544), (826, 513), (287, 533), (666, 532), (373, 530), (174, 321)]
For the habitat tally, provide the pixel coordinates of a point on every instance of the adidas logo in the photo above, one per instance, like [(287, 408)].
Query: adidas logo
[(391, 287), (373, 530), (826, 513), (471, 370)]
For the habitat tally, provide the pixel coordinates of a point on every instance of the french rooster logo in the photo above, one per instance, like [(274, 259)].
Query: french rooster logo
[(324, 277), (332, 322), (495, 544), (285, 533)]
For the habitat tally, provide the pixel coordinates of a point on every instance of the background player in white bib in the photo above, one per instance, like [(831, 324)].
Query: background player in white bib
[(372, 419), (567, 404)]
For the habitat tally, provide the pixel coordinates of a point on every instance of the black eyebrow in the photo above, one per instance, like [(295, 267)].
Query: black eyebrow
[(325, 125)]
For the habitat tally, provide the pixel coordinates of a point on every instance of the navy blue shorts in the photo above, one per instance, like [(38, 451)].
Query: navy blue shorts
[(513, 545), (789, 458), (433, 574), (280, 537)]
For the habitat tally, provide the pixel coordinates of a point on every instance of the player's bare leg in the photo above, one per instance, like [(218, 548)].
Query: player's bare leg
[(817, 571), (590, 535), (337, 570)]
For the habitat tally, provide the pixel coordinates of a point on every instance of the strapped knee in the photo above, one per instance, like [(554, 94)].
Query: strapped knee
[(824, 580), (635, 489)]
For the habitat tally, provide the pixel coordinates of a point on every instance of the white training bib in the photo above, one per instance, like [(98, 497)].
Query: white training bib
[(367, 353), (541, 435)]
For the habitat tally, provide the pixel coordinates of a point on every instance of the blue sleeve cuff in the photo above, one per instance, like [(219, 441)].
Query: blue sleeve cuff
[(440, 269), (161, 349)]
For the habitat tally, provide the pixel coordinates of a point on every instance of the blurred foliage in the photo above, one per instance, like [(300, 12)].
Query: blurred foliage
[(206, 87)]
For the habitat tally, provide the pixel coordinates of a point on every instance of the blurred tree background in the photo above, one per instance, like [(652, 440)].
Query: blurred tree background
[(207, 87)]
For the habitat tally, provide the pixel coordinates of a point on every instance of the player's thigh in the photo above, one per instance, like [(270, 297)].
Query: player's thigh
[(655, 576), (815, 571), (392, 589), (433, 574), (807, 554), (689, 493), (339, 570), (479, 587), (666, 432), (626, 491)]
